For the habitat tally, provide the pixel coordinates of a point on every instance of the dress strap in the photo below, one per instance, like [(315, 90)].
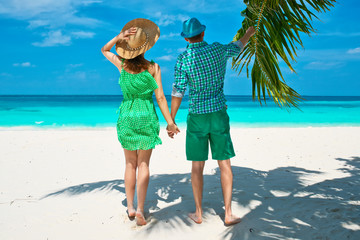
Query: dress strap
[(152, 62), (122, 61)]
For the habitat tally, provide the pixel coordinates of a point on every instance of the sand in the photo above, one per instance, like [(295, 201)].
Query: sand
[(289, 183)]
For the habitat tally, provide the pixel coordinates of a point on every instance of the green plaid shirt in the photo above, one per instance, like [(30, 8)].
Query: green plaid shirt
[(202, 66)]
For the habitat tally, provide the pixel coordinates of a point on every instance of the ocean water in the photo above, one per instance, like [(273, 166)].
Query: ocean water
[(94, 111)]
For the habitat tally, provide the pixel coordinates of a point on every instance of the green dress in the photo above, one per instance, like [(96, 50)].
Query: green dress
[(138, 124)]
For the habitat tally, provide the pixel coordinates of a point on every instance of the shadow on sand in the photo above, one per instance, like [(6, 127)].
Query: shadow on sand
[(279, 204)]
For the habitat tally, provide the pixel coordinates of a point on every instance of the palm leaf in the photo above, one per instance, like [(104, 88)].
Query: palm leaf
[(278, 24)]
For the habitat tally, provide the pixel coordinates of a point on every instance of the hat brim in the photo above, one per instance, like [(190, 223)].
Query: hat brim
[(195, 33), (146, 25)]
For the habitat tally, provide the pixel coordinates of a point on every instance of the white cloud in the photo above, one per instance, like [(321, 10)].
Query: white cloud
[(82, 34), (80, 75), (171, 53), (170, 36), (54, 38), (75, 65), (77, 76), (168, 19), (166, 58), (28, 9), (60, 20), (185, 6), (90, 2), (51, 16), (324, 65), (57, 38), (354, 51), (324, 55), (38, 23), (209, 6), (4, 74), (180, 50), (339, 34), (71, 19), (24, 64), (71, 69)]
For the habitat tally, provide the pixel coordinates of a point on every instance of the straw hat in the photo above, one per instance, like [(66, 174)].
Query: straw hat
[(146, 36)]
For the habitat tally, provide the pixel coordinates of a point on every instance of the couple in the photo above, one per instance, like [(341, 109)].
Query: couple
[(201, 67)]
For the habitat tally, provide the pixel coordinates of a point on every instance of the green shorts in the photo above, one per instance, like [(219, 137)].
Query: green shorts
[(210, 127)]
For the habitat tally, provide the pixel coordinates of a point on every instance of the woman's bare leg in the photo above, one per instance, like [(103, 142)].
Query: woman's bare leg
[(143, 160), (130, 179)]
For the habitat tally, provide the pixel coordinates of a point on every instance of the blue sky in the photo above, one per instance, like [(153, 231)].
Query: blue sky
[(53, 47)]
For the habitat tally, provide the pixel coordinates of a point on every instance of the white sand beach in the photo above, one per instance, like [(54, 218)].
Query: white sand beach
[(289, 183)]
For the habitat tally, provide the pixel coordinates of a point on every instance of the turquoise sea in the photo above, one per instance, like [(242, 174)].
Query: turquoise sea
[(101, 111)]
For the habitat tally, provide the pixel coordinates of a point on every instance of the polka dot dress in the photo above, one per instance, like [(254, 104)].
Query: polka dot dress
[(138, 124)]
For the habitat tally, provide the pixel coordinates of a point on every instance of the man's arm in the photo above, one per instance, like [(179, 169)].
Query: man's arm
[(245, 39), (235, 48), (179, 88), (175, 104)]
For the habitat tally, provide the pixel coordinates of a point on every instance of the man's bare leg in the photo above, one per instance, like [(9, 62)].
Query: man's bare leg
[(226, 177), (197, 183)]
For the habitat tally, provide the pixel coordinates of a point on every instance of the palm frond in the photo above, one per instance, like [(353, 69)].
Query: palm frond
[(278, 25)]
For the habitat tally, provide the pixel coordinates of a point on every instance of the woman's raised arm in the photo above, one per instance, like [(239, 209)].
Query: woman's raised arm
[(113, 58)]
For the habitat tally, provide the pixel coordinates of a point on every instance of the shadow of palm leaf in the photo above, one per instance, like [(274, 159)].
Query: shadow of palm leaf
[(105, 186), (278, 203), (291, 209)]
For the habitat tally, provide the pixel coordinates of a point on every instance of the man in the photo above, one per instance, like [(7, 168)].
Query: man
[(202, 67)]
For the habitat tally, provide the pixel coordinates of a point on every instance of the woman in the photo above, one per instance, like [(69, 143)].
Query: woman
[(138, 125)]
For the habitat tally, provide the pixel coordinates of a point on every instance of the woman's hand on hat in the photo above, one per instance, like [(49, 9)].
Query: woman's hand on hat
[(125, 35)]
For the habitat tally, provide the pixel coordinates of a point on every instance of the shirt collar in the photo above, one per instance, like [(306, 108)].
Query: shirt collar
[(196, 45)]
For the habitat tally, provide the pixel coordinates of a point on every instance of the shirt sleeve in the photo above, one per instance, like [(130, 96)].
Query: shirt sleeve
[(181, 79), (233, 49)]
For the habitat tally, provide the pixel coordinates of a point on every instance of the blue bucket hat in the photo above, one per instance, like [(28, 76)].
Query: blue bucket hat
[(192, 27)]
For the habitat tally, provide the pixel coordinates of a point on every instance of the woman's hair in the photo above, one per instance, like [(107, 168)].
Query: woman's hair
[(137, 64)]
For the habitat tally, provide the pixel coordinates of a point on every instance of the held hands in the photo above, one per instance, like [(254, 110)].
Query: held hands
[(172, 129), (125, 35)]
